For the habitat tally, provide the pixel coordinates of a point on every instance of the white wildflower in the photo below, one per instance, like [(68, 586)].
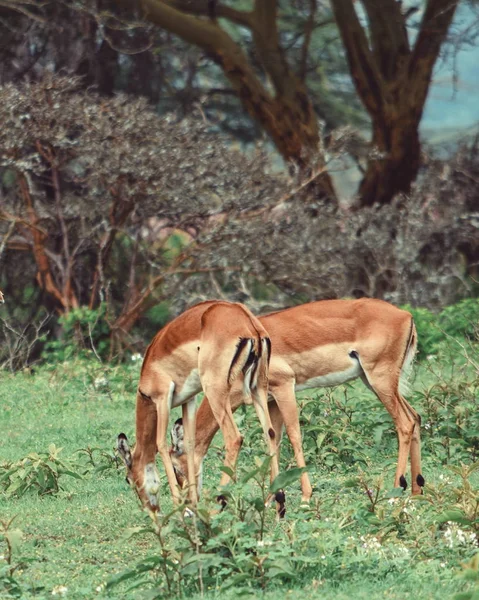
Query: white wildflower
[(101, 383), (454, 536), (59, 590)]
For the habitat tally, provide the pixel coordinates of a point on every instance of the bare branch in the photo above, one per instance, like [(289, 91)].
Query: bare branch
[(364, 71)]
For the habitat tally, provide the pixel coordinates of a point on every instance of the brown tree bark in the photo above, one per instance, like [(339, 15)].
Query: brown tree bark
[(63, 297), (287, 115), (392, 79)]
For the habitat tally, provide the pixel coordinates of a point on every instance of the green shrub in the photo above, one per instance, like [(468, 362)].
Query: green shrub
[(84, 331), (459, 320), (40, 472)]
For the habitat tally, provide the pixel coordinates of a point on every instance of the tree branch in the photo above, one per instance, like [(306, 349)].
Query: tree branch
[(435, 23), (201, 8), (365, 73), (388, 34), (308, 31), (270, 53)]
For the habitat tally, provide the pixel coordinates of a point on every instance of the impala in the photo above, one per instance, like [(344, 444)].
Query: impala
[(323, 344), (220, 348)]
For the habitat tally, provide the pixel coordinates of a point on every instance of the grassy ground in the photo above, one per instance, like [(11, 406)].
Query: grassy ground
[(75, 540)]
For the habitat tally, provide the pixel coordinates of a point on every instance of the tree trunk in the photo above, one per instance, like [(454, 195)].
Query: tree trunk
[(395, 164), (392, 79)]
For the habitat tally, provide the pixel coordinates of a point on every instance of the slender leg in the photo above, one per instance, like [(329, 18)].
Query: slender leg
[(286, 400), (416, 475), (223, 414), (277, 422), (189, 413), (163, 410), (386, 389), (261, 407)]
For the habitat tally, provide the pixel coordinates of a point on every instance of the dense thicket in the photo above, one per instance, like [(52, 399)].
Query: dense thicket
[(105, 204)]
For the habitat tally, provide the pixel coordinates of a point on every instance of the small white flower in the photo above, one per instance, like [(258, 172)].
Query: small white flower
[(59, 590), (101, 383), (136, 357)]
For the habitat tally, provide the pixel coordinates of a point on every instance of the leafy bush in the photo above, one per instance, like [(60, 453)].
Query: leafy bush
[(458, 320), (10, 541), (84, 331), (41, 472), (461, 319)]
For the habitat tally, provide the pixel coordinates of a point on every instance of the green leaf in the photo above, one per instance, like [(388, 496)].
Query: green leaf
[(395, 493), (286, 478), (457, 516), (14, 537), (70, 473), (228, 470), (235, 580), (320, 439)]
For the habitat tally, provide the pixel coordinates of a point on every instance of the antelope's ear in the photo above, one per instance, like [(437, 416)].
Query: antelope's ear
[(124, 450)]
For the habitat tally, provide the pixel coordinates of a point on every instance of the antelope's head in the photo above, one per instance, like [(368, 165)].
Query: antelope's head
[(144, 478)]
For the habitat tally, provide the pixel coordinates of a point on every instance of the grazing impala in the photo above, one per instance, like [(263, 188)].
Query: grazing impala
[(220, 348), (323, 344)]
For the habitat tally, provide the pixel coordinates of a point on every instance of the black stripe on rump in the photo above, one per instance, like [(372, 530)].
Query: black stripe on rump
[(239, 348), (268, 345)]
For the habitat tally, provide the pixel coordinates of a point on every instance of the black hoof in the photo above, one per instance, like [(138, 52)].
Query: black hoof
[(222, 500), (403, 482), (420, 480), (280, 499)]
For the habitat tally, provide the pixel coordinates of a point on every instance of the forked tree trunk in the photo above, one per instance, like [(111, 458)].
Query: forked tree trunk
[(392, 79)]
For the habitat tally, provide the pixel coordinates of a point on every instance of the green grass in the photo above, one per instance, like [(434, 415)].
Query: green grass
[(78, 538)]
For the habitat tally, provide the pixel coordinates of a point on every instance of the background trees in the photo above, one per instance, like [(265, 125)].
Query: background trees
[(115, 203)]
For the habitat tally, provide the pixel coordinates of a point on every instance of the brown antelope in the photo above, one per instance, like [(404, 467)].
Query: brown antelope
[(323, 344), (220, 348)]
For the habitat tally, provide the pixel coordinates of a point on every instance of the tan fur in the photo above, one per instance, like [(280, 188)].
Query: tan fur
[(194, 352), (320, 341)]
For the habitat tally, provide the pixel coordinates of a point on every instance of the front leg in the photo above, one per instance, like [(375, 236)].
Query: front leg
[(163, 405), (189, 424)]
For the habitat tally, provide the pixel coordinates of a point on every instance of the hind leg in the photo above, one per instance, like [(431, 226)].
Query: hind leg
[(218, 397), (260, 400), (189, 423), (286, 401), (406, 421), (416, 474)]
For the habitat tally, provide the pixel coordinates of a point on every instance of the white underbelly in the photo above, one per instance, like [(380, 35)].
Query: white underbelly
[(330, 379), (190, 387)]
